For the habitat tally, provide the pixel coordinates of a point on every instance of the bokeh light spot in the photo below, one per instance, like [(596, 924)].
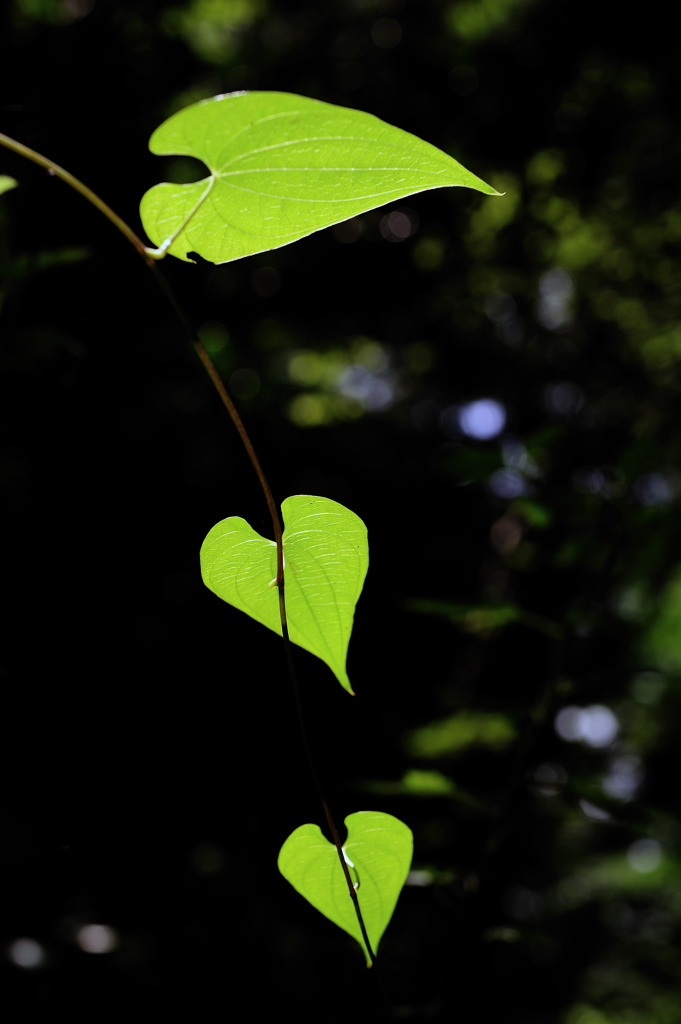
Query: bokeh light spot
[(555, 299), (386, 33), (483, 419), (595, 726), (398, 225), (97, 938), (644, 855), (26, 953)]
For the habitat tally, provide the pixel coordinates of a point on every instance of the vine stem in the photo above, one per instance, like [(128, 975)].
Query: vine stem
[(151, 258), (320, 793), (216, 381), (351, 889), (78, 185)]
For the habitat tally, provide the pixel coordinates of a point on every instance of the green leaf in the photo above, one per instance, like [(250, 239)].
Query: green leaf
[(326, 557), (378, 852), (451, 736), (280, 167), (7, 183)]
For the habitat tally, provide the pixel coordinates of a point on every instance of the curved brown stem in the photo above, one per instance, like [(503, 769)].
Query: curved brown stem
[(353, 894), (150, 257), (226, 400), (75, 183)]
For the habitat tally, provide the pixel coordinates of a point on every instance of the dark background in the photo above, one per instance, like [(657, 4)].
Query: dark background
[(151, 764)]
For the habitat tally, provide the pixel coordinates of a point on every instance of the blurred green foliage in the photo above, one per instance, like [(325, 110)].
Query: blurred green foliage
[(521, 663), (451, 736), (211, 27)]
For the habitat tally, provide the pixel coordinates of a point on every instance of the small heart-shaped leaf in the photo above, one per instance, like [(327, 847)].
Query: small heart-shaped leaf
[(326, 557), (280, 167), (378, 852)]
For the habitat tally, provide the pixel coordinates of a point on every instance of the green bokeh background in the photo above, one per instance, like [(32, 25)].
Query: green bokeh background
[(517, 649)]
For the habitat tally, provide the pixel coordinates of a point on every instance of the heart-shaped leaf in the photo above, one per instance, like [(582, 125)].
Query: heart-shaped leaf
[(326, 557), (280, 167), (378, 852)]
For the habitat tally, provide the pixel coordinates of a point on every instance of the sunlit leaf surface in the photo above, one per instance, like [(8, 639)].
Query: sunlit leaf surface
[(281, 166), (378, 852), (326, 557)]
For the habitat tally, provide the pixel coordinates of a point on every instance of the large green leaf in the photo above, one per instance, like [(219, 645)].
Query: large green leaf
[(326, 557), (280, 167), (378, 851)]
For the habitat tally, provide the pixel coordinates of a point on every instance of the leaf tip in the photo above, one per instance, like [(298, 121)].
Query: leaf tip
[(7, 183)]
